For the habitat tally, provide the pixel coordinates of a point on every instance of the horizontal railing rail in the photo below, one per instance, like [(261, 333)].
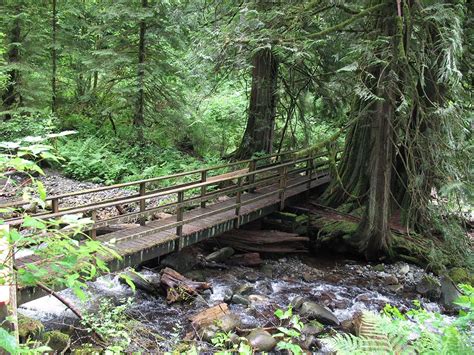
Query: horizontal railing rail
[(278, 171)]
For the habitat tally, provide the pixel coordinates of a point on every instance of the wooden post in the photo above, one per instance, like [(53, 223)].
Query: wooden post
[(251, 178), (203, 188), (238, 200), (8, 301), (55, 205), (309, 171), (93, 231), (179, 218), (142, 203), (283, 180)]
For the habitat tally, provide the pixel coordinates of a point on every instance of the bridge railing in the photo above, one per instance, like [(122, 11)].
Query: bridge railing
[(247, 175)]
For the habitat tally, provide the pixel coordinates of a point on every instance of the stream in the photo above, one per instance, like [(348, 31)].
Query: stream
[(344, 286)]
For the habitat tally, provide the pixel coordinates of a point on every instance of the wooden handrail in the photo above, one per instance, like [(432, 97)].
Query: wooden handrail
[(246, 178), (150, 180)]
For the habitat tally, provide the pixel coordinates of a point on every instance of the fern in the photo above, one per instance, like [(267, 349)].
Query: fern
[(376, 336)]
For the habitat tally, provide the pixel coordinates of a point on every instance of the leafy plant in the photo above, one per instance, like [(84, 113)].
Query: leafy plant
[(111, 322), (289, 330), (66, 262), (417, 332)]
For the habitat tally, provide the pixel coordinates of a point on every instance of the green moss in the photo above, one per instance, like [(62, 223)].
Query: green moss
[(29, 328), (339, 227), (56, 340), (284, 216), (379, 267), (87, 349), (460, 275)]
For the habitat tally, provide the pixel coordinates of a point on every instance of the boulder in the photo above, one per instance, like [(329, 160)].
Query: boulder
[(220, 255), (208, 332), (257, 299), (312, 310), (449, 291), (229, 322), (296, 302), (390, 280), (261, 340), (429, 286), (29, 328), (182, 261), (244, 289), (56, 340), (239, 299), (404, 269), (312, 328), (251, 276)]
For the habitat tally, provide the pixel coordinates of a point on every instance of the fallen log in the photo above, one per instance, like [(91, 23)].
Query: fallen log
[(180, 288), (264, 241), (246, 259), (140, 282)]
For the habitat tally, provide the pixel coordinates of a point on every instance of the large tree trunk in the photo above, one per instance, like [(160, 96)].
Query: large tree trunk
[(374, 230), (259, 133), (54, 59), (12, 96), (364, 178), (138, 119)]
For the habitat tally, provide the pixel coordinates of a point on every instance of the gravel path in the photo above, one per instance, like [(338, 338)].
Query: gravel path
[(56, 183)]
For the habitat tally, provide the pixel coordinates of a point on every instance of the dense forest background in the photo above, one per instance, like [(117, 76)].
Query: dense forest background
[(144, 82)]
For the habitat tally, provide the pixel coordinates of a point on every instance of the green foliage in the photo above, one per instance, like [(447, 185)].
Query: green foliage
[(289, 331), (68, 262), (111, 322), (417, 332)]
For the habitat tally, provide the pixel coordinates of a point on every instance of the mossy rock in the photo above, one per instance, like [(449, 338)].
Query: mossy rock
[(460, 275), (56, 340), (87, 349), (29, 328)]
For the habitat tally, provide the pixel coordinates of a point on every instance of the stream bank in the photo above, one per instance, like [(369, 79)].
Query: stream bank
[(345, 287)]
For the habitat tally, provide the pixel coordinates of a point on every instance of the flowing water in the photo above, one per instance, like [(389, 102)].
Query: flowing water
[(344, 286)]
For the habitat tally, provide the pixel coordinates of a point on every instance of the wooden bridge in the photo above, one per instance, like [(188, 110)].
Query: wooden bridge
[(252, 188)]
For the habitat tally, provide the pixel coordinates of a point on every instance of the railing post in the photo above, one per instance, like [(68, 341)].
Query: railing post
[(179, 214), (309, 171), (203, 188), (179, 218), (93, 231), (55, 205), (142, 192), (238, 200), (283, 181), (251, 178)]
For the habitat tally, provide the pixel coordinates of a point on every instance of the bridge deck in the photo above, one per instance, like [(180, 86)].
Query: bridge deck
[(253, 188), (140, 244)]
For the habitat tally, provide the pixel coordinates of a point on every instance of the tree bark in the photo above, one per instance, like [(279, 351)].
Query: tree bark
[(138, 120), (259, 133), (364, 177), (12, 96), (54, 60)]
